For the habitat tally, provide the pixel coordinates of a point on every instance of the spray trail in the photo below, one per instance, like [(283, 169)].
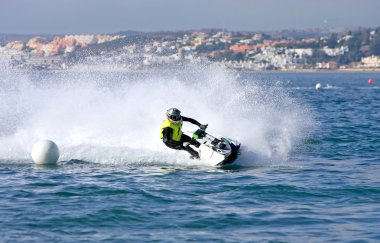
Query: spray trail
[(114, 117)]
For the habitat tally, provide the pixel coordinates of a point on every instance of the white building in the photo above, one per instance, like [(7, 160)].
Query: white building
[(85, 39), (333, 52), (371, 62)]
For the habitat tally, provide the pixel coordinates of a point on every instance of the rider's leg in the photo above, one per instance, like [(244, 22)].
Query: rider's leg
[(185, 138)]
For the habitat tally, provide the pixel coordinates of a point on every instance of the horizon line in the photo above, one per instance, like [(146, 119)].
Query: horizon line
[(334, 29)]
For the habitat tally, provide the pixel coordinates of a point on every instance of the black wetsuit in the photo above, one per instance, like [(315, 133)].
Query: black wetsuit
[(168, 141)]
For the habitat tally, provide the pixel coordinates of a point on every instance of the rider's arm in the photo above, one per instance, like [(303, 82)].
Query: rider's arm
[(191, 120), (167, 138), (167, 134)]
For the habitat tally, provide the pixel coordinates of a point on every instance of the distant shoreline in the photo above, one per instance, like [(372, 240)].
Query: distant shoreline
[(118, 69), (315, 71)]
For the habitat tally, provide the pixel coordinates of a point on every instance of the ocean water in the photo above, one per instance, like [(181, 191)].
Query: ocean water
[(308, 169)]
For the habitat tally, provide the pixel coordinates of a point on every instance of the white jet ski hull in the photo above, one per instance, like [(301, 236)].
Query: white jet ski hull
[(208, 154), (216, 151)]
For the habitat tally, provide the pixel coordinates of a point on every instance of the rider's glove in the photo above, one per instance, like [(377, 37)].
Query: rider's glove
[(203, 127)]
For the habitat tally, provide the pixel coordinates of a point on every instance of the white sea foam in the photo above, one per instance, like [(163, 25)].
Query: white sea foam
[(114, 117)]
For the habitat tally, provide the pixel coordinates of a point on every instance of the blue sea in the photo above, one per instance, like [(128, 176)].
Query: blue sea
[(308, 170)]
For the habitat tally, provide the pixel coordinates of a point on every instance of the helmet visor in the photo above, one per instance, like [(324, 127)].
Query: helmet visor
[(175, 117)]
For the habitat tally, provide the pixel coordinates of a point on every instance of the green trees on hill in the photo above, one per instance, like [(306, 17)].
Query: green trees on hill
[(375, 43), (332, 42), (361, 43)]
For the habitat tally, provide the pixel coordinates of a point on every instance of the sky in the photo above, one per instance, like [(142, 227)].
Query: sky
[(112, 16)]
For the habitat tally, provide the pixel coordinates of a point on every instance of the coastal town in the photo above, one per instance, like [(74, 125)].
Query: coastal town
[(257, 51)]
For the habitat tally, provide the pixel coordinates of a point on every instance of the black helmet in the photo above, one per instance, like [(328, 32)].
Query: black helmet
[(174, 115)]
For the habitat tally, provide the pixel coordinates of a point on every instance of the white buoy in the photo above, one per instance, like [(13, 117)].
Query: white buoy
[(45, 152), (318, 86)]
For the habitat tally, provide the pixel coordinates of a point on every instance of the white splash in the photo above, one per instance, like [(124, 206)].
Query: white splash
[(115, 117)]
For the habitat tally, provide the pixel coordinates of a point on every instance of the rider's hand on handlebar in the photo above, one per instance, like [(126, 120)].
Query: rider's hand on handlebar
[(203, 127)]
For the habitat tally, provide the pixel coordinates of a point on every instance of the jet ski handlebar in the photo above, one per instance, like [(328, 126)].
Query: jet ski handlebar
[(199, 134)]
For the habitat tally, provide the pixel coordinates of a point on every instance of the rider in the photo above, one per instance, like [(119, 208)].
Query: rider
[(171, 132)]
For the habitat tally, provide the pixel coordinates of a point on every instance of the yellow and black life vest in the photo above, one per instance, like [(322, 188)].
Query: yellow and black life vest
[(177, 129)]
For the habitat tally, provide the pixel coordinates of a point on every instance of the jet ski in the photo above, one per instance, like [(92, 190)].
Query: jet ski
[(218, 151)]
